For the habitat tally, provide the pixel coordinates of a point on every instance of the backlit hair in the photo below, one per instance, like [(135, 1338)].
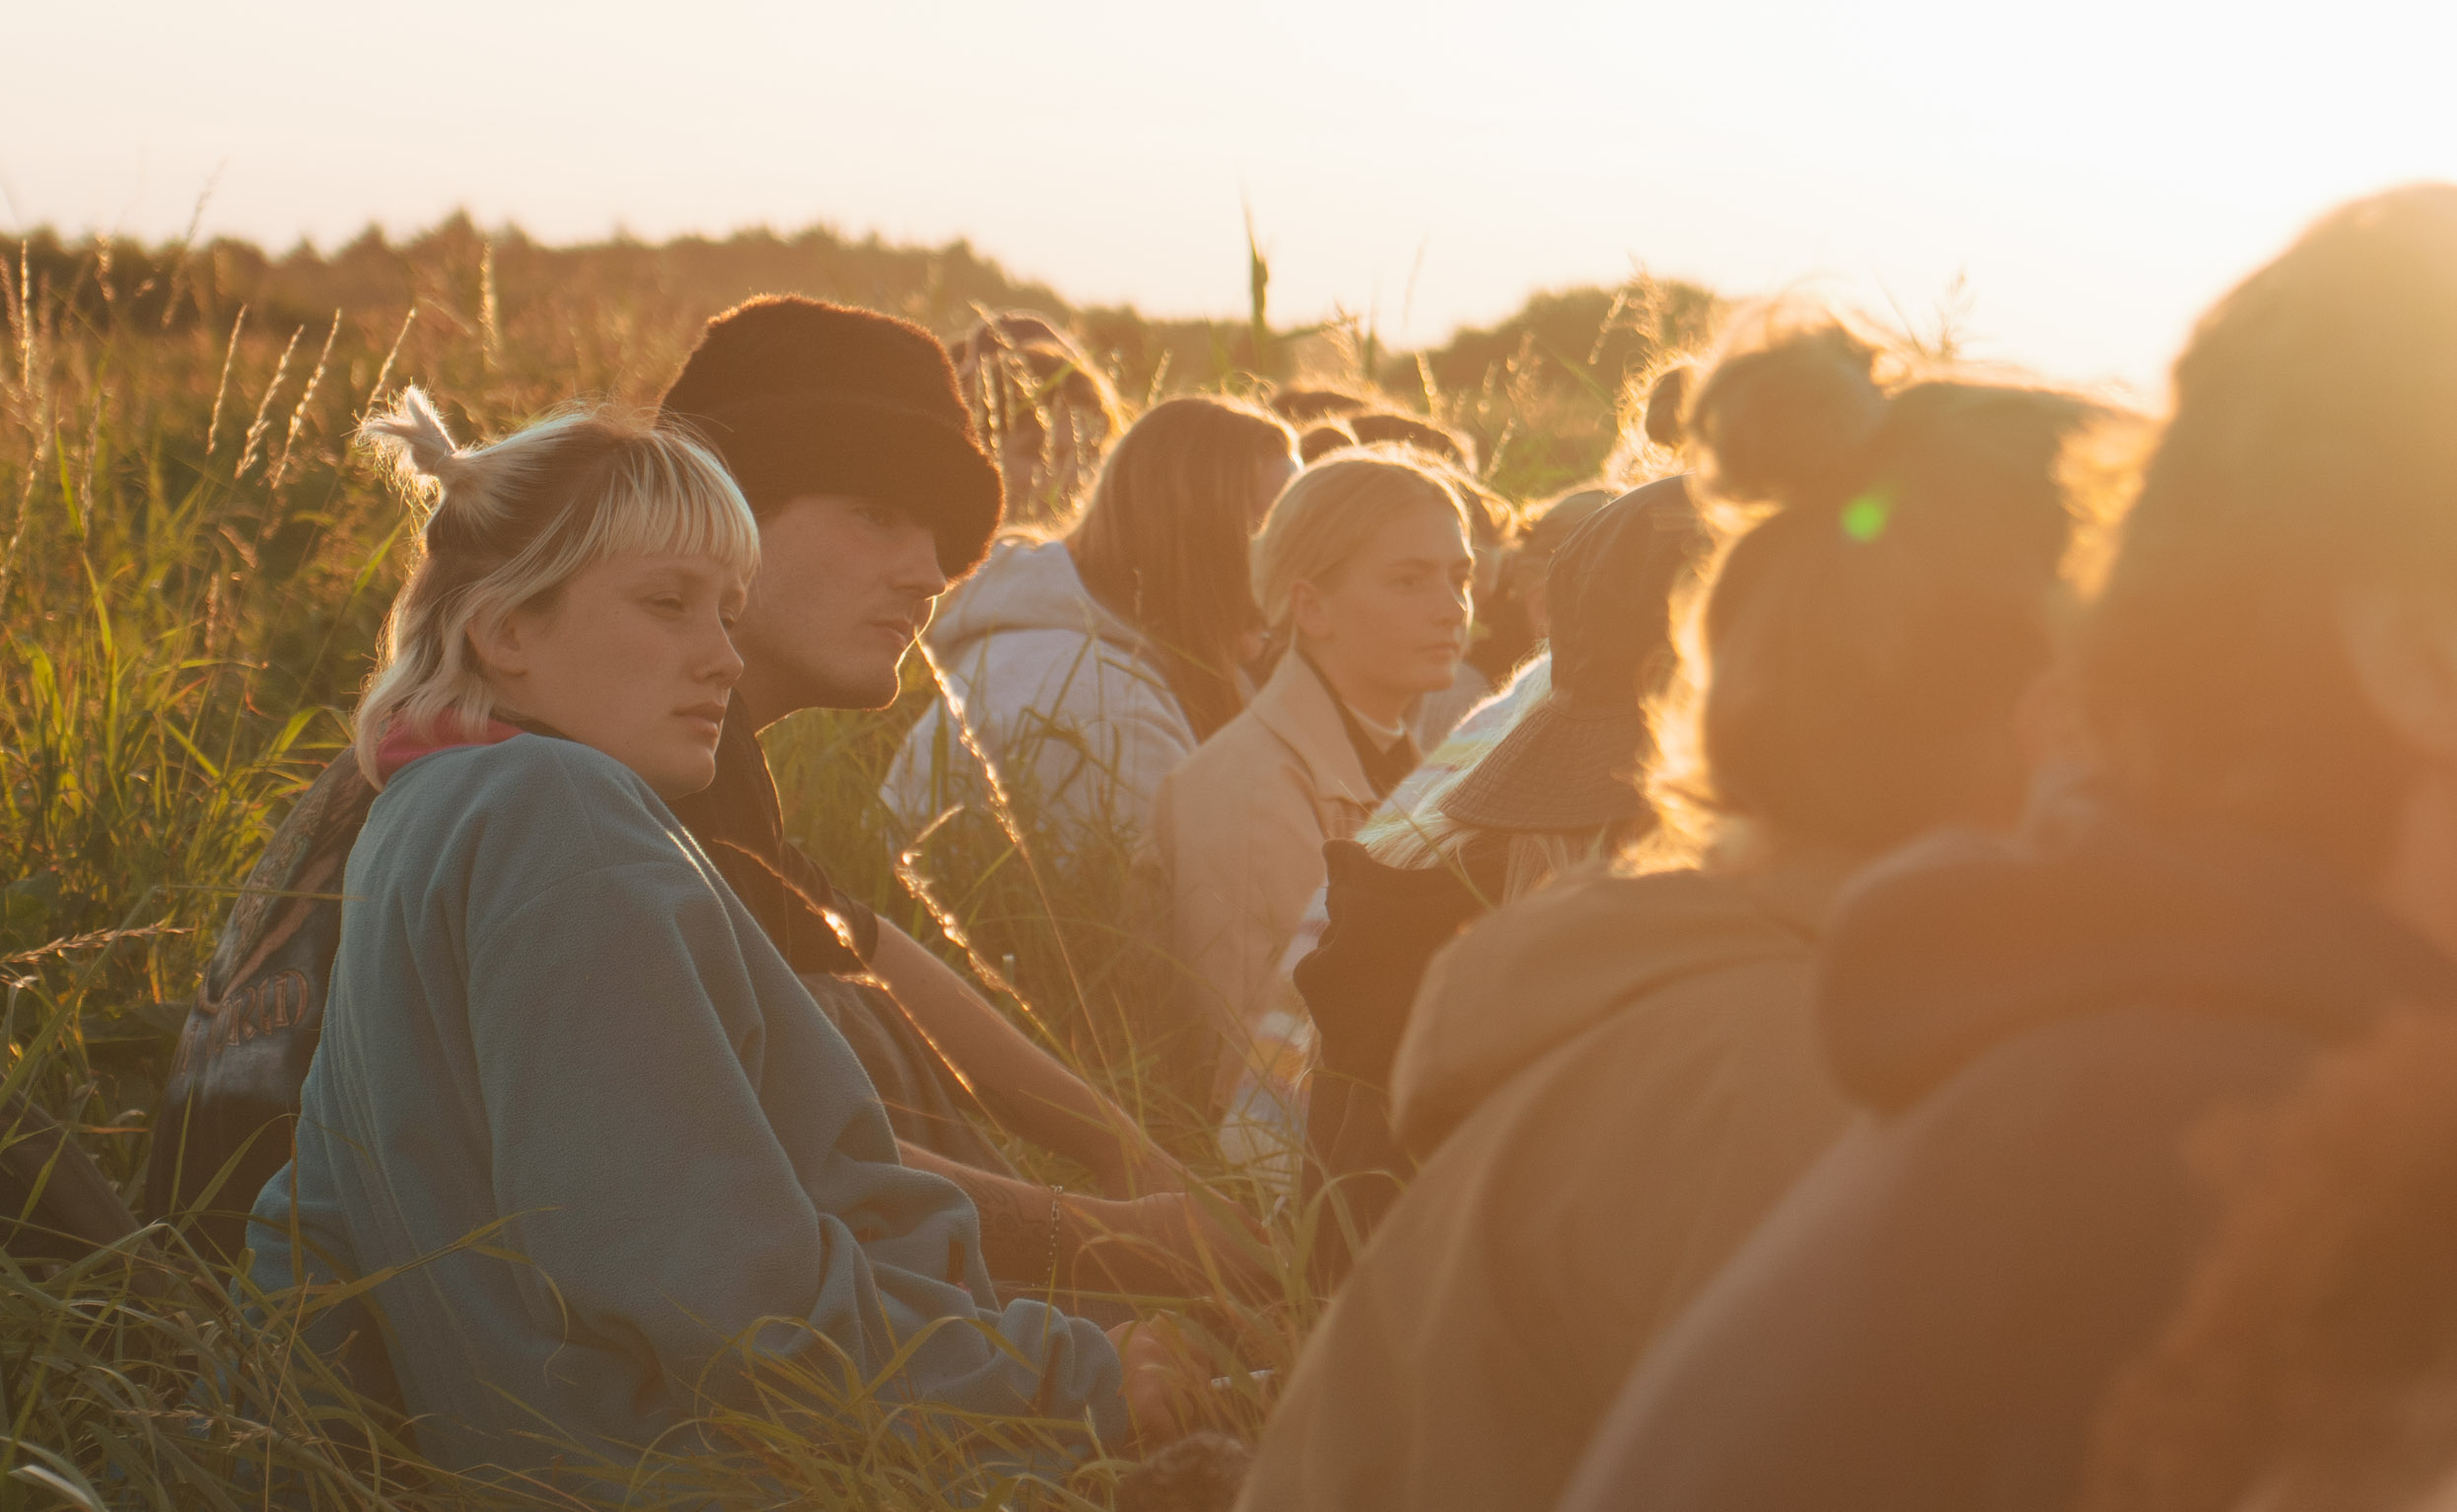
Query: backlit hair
[(2312, 453), (507, 523), (1328, 515), (1879, 600)]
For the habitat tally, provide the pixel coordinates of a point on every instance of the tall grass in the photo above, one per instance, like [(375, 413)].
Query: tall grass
[(194, 569)]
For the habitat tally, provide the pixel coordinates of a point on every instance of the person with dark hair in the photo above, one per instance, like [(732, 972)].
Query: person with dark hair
[(1610, 1082), (1089, 665), (1513, 619), (1045, 412), (2257, 865), (1322, 437), (1377, 428), (872, 495), (1316, 407)]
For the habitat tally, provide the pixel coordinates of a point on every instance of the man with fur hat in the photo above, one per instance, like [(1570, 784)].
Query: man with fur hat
[(846, 432)]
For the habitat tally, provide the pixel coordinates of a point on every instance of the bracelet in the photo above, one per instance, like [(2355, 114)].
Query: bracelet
[(1057, 1205)]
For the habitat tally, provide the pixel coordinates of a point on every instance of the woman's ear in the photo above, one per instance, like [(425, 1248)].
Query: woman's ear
[(2401, 646), (498, 642), (1306, 612)]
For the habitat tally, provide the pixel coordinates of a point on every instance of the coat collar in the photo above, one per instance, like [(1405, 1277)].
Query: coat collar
[(1295, 705)]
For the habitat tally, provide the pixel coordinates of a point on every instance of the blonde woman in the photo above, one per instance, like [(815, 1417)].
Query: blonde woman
[(552, 1028), (1362, 571)]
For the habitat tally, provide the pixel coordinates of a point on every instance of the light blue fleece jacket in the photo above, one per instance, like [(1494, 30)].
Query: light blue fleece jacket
[(549, 1013)]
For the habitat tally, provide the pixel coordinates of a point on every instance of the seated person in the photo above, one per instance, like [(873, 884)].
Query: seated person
[(2256, 870), (1045, 412), (567, 1088), (1363, 573), (1607, 1082), (794, 397), (1088, 665), (1557, 787)]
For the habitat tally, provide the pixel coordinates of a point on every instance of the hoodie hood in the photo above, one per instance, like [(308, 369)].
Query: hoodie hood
[(1554, 965), (1024, 584), (1963, 943)]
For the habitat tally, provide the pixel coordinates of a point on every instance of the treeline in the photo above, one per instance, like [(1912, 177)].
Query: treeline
[(1542, 390)]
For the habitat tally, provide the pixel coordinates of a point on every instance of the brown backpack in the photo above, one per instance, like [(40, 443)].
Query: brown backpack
[(233, 1093)]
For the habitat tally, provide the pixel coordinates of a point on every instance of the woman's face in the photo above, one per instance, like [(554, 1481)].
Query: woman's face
[(632, 656), (1393, 623)]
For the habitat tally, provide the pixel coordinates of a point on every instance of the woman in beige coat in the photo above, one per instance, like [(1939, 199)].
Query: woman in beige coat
[(1610, 1082), (1363, 571)]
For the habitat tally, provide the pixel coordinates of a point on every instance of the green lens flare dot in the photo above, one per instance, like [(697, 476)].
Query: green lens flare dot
[(1864, 517)]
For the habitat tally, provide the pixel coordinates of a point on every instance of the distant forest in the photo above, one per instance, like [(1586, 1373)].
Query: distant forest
[(1573, 353)]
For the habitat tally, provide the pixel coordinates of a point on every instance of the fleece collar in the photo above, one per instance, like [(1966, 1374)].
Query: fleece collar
[(402, 744)]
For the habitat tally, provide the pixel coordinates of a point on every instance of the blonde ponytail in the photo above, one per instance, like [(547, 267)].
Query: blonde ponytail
[(507, 523)]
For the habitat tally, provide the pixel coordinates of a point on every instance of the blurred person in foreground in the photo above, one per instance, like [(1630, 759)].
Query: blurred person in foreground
[(2312, 1363), (1363, 573), (1555, 788), (2036, 1027), (600, 1160), (1608, 1083), (1090, 664)]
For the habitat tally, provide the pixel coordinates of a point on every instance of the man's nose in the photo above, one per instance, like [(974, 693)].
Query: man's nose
[(917, 565)]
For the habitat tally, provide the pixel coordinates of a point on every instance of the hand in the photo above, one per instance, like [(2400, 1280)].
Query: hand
[(1152, 1356), (1139, 1167), (1167, 1243)]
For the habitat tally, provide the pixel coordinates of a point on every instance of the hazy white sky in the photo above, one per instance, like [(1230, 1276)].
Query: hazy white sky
[(2099, 168)]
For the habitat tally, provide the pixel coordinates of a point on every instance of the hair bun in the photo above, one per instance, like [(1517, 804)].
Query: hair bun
[(415, 432), (1783, 420), (1663, 422)]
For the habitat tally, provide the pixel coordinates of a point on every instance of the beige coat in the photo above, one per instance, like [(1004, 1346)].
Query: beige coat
[(1608, 1083), (1240, 831)]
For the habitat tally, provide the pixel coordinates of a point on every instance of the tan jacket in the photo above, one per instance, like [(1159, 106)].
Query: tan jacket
[(1609, 1082), (1240, 831)]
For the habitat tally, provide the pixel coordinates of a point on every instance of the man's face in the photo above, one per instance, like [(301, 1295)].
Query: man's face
[(844, 586)]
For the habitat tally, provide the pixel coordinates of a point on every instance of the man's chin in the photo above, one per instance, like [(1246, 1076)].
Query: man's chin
[(832, 687), (870, 688)]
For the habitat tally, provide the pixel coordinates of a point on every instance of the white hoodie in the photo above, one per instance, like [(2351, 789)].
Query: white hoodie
[(1064, 696)]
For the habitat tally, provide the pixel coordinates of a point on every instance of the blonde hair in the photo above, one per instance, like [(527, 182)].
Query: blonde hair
[(507, 524), (1325, 517)]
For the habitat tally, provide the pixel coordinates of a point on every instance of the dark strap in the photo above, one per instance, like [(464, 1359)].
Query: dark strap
[(55, 1204)]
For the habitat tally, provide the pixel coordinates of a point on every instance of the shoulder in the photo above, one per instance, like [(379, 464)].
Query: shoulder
[(1599, 905), (1236, 753), (1242, 771), (530, 801)]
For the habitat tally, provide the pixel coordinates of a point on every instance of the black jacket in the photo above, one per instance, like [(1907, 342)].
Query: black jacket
[(2036, 1029)]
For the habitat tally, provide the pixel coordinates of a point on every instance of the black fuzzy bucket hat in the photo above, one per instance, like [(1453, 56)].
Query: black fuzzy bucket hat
[(1569, 763), (798, 396)]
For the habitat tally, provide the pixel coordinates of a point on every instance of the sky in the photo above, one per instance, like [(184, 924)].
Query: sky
[(2093, 172)]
